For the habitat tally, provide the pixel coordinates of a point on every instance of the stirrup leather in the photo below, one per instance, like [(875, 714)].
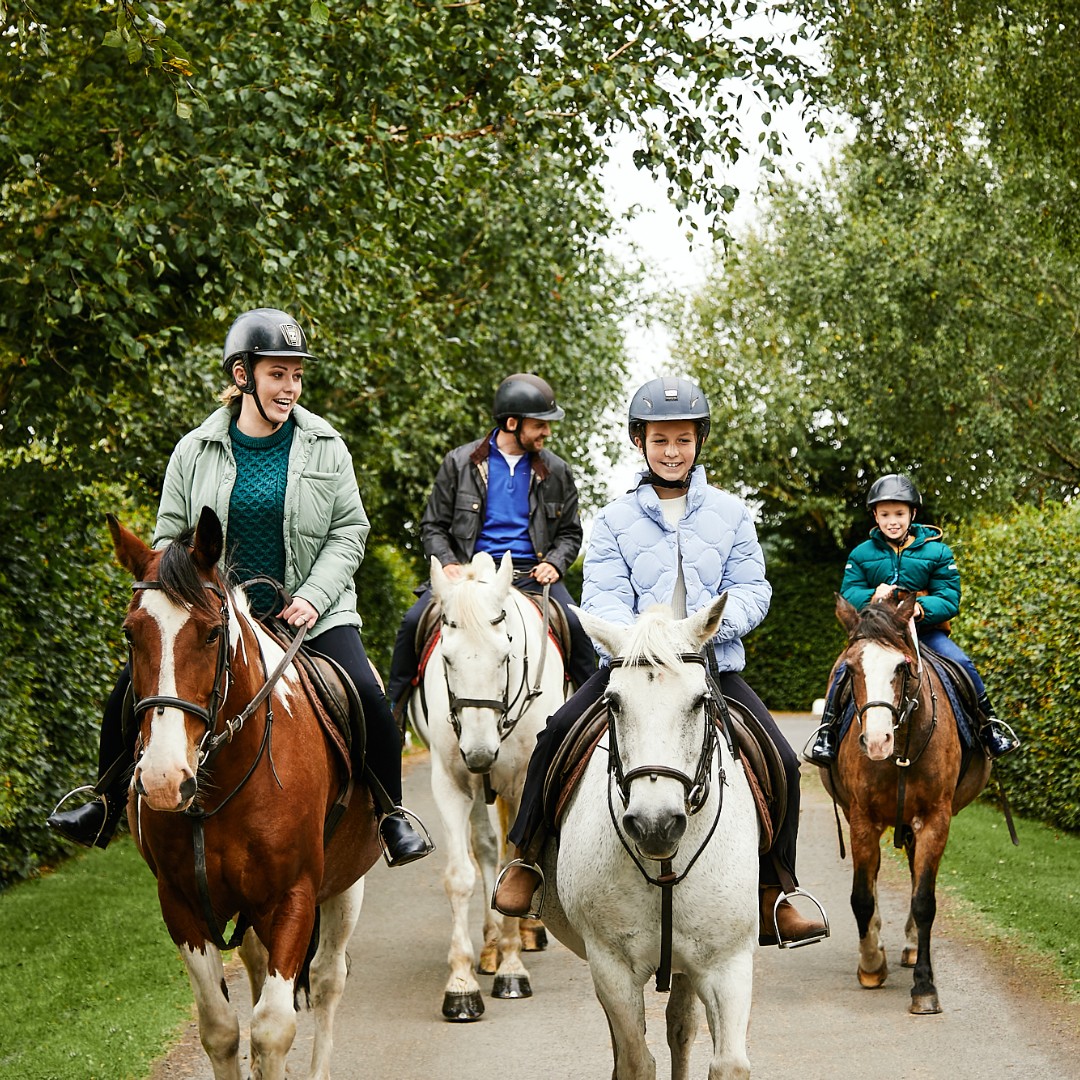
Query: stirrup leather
[(100, 796), (783, 942), (535, 908), (418, 826)]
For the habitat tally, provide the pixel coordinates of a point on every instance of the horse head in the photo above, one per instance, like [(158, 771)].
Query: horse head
[(476, 651), (661, 732), (879, 658), (178, 627)]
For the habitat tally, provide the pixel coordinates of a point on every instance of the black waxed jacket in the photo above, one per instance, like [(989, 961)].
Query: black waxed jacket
[(455, 509)]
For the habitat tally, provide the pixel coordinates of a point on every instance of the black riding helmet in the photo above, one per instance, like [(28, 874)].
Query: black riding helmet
[(668, 398), (524, 396), (894, 487), (257, 334)]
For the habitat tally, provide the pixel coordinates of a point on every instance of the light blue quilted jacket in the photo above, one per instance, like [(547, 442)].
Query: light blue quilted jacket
[(632, 558)]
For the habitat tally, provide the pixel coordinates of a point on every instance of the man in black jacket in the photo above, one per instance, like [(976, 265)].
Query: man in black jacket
[(482, 502)]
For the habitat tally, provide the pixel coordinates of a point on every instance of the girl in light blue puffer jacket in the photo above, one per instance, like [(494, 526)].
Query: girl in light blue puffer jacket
[(673, 540)]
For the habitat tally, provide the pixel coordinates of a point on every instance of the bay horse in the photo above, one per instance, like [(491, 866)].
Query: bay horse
[(485, 691), (656, 865), (228, 803), (901, 764)]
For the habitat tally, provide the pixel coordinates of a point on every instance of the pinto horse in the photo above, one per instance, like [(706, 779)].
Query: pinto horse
[(488, 686), (656, 865), (901, 764), (229, 804)]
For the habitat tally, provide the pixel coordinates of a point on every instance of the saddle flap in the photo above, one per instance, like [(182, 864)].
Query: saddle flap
[(558, 623), (764, 770), (570, 760)]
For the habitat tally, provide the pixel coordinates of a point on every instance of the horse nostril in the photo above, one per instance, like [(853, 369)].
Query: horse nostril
[(633, 827), (139, 789), (188, 788)]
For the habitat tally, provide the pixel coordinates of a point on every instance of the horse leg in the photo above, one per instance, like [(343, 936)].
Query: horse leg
[(329, 968), (682, 1018), (461, 998), (219, 1027), (930, 837), (866, 858), (254, 955), (911, 939), (726, 991), (273, 1020), (485, 847), (512, 977), (624, 1006)]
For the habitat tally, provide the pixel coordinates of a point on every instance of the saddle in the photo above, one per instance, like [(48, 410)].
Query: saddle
[(428, 628), (740, 729)]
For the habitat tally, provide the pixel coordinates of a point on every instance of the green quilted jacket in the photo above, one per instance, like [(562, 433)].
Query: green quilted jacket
[(325, 524), (925, 565)]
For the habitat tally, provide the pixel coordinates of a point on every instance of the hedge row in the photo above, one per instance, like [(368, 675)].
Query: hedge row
[(1020, 623)]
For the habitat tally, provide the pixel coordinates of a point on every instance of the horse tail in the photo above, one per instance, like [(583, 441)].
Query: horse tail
[(302, 985)]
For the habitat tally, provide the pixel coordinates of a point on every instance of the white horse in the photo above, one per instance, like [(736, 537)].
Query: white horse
[(487, 690), (644, 809)]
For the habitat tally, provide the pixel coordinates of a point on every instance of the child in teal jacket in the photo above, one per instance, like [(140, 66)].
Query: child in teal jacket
[(901, 556)]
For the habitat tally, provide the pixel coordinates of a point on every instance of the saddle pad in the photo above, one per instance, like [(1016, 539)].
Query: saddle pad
[(758, 753)]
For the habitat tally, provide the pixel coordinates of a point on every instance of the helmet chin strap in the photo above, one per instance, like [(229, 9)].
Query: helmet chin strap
[(248, 387), (659, 481)]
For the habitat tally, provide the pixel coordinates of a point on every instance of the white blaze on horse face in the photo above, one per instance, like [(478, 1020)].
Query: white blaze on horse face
[(475, 660), (169, 759), (879, 665)]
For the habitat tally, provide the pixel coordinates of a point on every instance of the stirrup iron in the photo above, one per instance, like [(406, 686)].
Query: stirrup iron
[(535, 909), (100, 796), (414, 820), (783, 942)]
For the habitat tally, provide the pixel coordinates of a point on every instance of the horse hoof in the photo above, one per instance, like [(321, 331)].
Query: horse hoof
[(924, 1005), (533, 939), (462, 1008), (871, 980), (909, 957), (511, 986)]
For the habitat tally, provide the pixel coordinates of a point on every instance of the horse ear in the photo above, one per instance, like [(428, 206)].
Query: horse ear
[(906, 608), (439, 580), (609, 636), (505, 577), (846, 613), (132, 554), (704, 624), (209, 540)]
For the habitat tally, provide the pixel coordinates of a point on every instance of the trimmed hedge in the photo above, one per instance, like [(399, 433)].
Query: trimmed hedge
[(789, 656), (1020, 623)]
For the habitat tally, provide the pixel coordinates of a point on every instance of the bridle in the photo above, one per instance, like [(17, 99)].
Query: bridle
[(695, 792), (522, 697), (903, 712)]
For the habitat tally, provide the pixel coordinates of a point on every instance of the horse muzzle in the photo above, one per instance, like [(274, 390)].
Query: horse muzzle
[(656, 836)]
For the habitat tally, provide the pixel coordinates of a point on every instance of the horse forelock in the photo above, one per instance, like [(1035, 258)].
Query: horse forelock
[(651, 640), (468, 604), (877, 624), (180, 580)]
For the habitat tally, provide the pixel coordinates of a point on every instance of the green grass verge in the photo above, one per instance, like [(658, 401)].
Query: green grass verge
[(1027, 896), (93, 987)]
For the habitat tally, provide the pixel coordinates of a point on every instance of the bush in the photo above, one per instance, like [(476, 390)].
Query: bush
[(384, 585), (1019, 624), (788, 657)]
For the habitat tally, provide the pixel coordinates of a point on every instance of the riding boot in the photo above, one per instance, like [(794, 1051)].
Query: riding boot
[(402, 842), (517, 884), (825, 745), (94, 823), (995, 735), (789, 926)]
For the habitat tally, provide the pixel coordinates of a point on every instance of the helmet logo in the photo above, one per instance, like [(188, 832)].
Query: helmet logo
[(671, 393), (291, 333)]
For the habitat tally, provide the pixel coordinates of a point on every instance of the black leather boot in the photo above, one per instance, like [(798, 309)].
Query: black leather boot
[(402, 843), (996, 736), (94, 823), (824, 749)]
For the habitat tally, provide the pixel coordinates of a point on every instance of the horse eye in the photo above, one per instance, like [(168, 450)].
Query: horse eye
[(128, 635), (614, 704), (213, 635)]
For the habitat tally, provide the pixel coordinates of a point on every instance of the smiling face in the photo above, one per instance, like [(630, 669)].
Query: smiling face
[(279, 381), (893, 519), (670, 450)]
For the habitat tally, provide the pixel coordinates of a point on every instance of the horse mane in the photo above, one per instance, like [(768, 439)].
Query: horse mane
[(651, 640), (179, 577), (876, 623), (468, 604)]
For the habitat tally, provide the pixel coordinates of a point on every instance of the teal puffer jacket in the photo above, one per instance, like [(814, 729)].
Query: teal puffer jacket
[(925, 565), (325, 524)]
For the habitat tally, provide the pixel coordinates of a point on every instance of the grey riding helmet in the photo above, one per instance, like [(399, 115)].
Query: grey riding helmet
[(893, 487), (526, 396), (259, 333), (669, 398)]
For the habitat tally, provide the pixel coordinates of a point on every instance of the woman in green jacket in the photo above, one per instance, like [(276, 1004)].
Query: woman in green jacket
[(901, 556), (281, 481)]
